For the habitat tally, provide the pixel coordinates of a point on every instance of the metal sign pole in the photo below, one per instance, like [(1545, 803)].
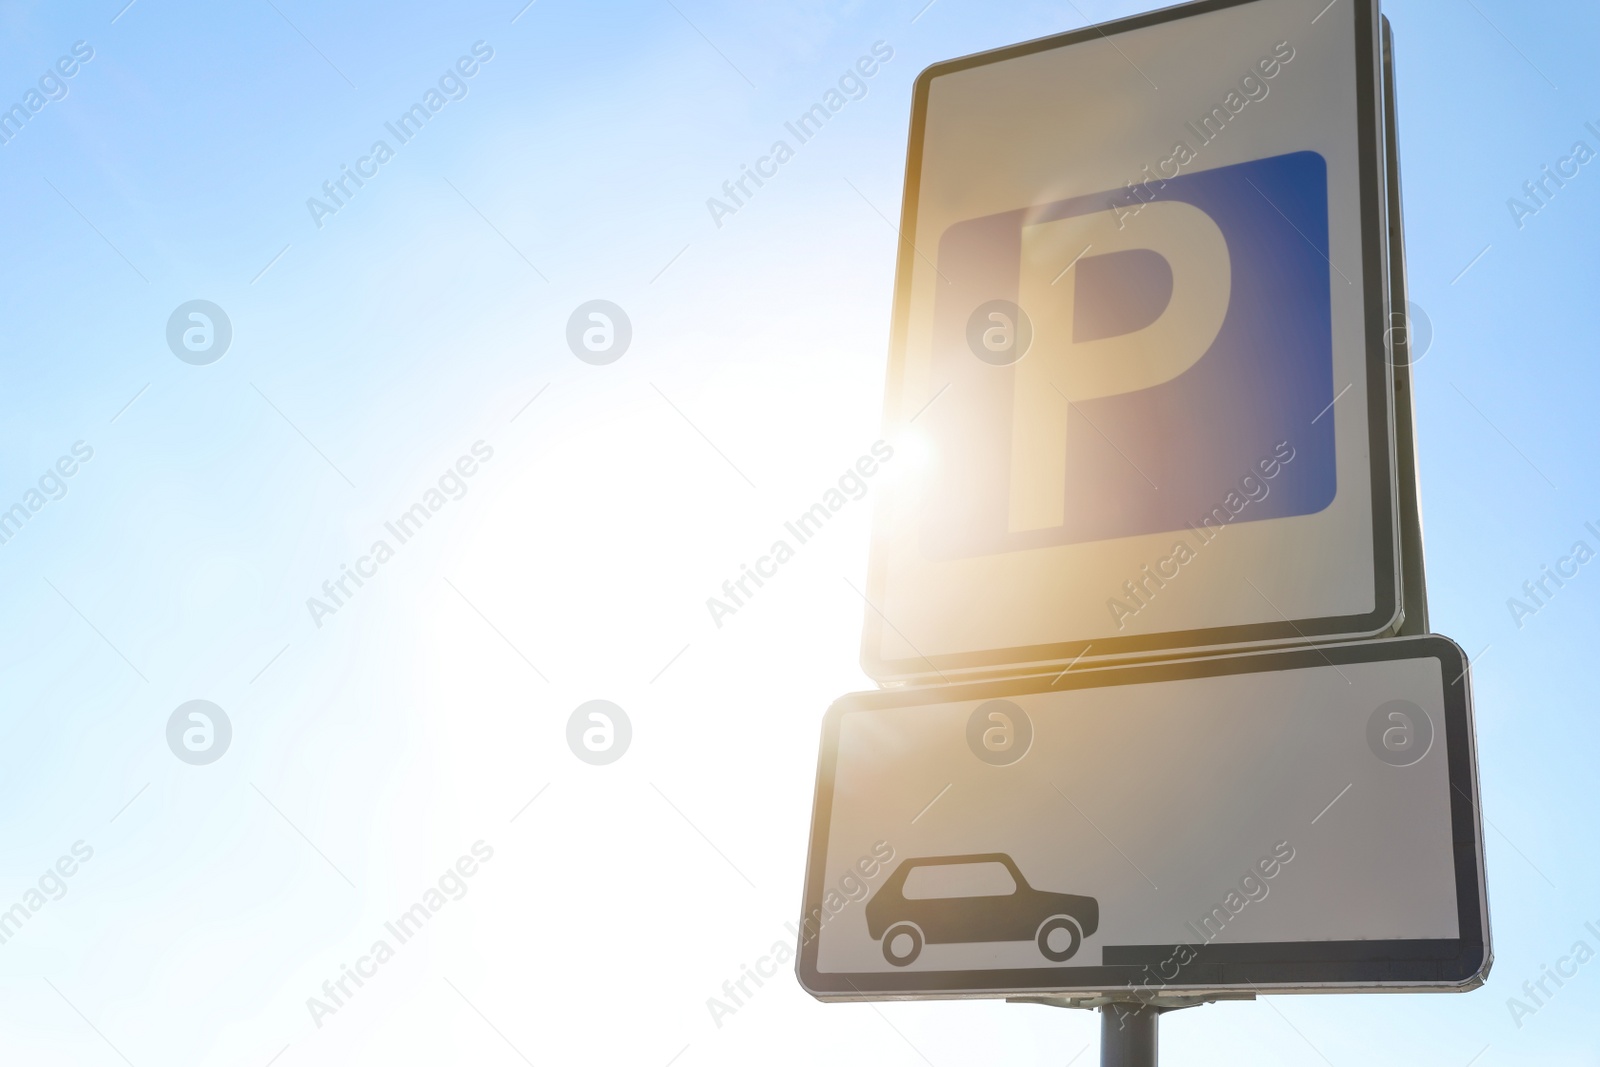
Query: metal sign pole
[(1128, 1028), (1128, 1035)]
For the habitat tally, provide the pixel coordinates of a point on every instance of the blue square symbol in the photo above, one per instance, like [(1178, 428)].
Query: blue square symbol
[(1135, 361)]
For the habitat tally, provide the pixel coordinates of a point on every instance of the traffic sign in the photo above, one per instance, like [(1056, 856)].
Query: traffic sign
[(1288, 821), (1140, 339)]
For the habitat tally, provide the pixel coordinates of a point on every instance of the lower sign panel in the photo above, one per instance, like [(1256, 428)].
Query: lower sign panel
[(1298, 820)]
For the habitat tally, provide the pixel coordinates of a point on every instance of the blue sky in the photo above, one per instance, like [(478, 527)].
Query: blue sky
[(369, 354)]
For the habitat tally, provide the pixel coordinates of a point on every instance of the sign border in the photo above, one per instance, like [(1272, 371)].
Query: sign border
[(1388, 614), (1416, 965)]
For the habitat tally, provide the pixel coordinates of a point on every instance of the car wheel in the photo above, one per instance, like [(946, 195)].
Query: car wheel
[(902, 943), (1059, 938)]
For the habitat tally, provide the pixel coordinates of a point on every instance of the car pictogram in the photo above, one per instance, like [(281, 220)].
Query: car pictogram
[(982, 897)]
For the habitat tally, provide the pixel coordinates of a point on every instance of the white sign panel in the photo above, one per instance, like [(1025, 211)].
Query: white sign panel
[(1139, 341), (1294, 820)]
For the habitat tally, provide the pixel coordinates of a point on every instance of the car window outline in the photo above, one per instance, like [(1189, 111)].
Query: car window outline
[(911, 869)]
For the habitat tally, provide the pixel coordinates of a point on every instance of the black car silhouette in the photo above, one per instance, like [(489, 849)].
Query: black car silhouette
[(983, 897)]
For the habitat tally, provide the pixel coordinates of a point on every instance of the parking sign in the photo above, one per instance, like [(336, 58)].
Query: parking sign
[(1139, 339)]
